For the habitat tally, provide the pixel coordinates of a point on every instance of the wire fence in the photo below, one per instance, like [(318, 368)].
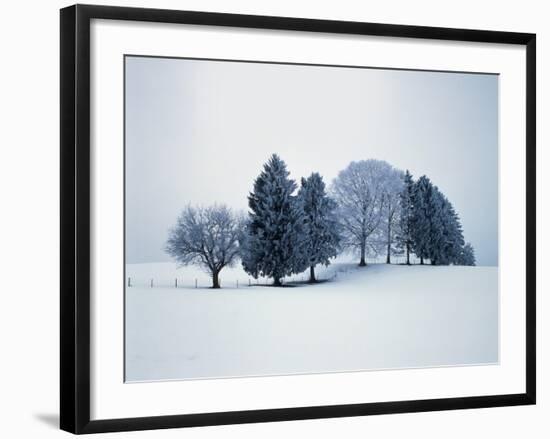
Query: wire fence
[(323, 274), (228, 282)]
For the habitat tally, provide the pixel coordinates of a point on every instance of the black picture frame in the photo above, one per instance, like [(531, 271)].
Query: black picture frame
[(75, 218)]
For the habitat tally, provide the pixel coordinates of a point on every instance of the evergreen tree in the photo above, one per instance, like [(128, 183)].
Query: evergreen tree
[(322, 236), (406, 218), (453, 238), (436, 216), (421, 218), (467, 255), (437, 232), (274, 238)]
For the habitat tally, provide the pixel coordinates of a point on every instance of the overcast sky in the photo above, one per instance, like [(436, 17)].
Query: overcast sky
[(199, 131)]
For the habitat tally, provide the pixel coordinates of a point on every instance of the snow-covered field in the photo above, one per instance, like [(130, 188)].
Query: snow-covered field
[(381, 316)]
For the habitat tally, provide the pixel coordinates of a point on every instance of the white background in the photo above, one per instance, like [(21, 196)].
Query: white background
[(30, 204)]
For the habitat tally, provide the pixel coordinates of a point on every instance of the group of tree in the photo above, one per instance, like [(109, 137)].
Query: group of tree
[(429, 226), (383, 210), (370, 208), (287, 233)]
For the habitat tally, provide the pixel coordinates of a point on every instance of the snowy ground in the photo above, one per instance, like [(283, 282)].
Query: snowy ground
[(381, 316)]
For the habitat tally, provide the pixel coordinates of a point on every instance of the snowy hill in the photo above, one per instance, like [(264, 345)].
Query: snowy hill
[(381, 316)]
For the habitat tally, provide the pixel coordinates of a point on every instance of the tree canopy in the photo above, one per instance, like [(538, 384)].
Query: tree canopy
[(206, 236)]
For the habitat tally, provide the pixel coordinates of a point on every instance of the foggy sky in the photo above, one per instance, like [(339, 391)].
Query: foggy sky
[(199, 131)]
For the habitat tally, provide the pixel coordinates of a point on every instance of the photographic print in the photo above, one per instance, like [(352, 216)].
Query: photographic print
[(268, 219), (295, 219)]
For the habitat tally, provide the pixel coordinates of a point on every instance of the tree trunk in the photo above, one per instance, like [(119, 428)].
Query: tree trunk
[(215, 279), (277, 281), (362, 262), (421, 260), (388, 260), (433, 262), (408, 254), (312, 274)]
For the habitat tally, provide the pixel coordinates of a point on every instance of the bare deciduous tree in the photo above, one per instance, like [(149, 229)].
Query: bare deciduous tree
[(393, 187), (207, 237), (359, 192)]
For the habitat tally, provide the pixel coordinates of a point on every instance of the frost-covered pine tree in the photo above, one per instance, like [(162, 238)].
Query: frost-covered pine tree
[(273, 239), (406, 216), (453, 238), (437, 232), (439, 227), (322, 234), (467, 255), (422, 212)]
